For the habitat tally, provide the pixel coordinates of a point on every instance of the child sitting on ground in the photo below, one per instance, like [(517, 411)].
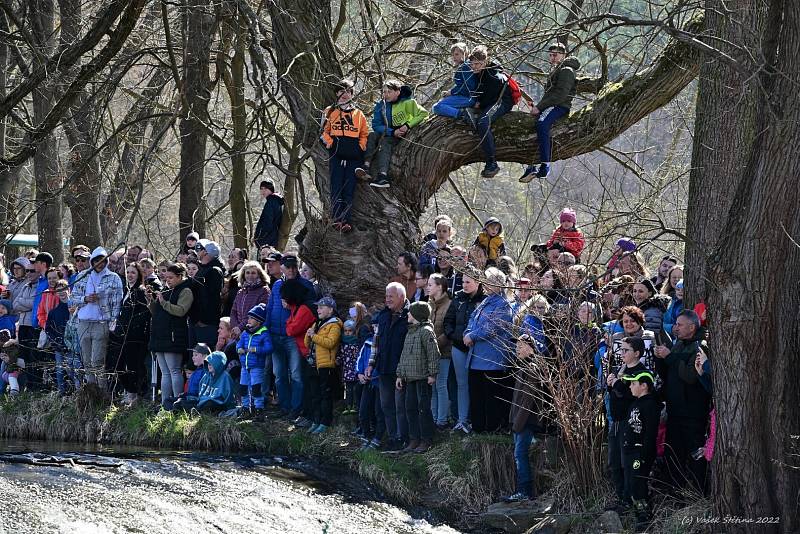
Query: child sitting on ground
[(464, 83), (216, 386), (567, 234), (491, 241), (393, 117), (190, 398), (416, 373), (348, 356), (344, 134), (323, 340), (254, 349), (11, 367)]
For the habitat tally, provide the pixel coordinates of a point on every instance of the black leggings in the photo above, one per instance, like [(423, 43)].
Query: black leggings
[(489, 399)]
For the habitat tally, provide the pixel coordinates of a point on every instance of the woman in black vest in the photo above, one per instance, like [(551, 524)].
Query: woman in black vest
[(169, 335)]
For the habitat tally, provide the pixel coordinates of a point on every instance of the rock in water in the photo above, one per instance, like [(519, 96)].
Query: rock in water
[(607, 522), (516, 517)]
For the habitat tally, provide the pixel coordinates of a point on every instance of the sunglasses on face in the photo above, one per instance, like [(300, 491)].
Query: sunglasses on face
[(30, 270)]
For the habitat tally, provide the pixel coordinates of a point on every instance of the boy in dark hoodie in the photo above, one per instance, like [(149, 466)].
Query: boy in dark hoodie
[(493, 99), (491, 241), (620, 400), (393, 117), (555, 103), (216, 386), (344, 134), (639, 442)]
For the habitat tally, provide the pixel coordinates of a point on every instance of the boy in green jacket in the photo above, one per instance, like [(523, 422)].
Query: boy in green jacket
[(416, 373), (393, 117)]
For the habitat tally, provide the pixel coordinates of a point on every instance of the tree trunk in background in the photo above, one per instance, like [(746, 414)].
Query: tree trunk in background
[(199, 23), (48, 179), (744, 223), (8, 177), (235, 86), (358, 265)]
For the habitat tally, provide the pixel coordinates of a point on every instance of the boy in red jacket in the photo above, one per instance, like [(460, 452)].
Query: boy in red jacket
[(567, 234)]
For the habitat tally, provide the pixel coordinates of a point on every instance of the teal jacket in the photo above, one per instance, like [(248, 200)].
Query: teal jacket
[(388, 116), (216, 389)]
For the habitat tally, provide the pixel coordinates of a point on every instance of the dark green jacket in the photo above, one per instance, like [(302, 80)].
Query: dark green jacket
[(420, 356), (560, 86)]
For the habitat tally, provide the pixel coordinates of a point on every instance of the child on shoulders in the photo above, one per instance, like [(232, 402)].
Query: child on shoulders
[(491, 241), (464, 83), (567, 234)]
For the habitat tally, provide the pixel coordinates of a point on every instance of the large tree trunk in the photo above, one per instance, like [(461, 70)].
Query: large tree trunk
[(199, 21), (744, 223), (357, 265), (45, 161)]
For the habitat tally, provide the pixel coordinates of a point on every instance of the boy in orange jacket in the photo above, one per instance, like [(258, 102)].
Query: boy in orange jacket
[(344, 134)]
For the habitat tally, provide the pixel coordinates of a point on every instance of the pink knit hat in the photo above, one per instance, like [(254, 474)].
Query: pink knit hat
[(568, 214)]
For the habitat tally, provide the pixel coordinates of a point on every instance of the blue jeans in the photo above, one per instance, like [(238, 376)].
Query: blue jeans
[(546, 119), (462, 381), (440, 401), (252, 389), (285, 362), (343, 187), (522, 446), (451, 105), (485, 119), (393, 404), (67, 365)]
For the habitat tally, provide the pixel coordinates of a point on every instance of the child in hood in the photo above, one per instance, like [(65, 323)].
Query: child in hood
[(567, 234), (216, 386), (491, 241), (255, 356), (8, 321)]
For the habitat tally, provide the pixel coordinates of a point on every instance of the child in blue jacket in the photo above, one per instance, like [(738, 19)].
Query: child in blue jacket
[(370, 414), (216, 386), (255, 350), (464, 84), (8, 321)]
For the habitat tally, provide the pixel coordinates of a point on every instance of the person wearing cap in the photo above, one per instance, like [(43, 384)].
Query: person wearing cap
[(24, 291), (559, 90), (80, 258), (416, 373), (255, 357), (207, 288), (662, 274), (269, 223), (286, 359), (188, 400), (688, 402), (489, 339), (567, 234), (675, 308), (273, 267), (639, 442), (295, 298), (98, 298), (323, 339)]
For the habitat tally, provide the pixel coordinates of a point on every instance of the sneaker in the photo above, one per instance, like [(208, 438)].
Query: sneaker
[(313, 428), (423, 447), (362, 173), (544, 170), (491, 169), (374, 444), (529, 174), (320, 429), (302, 422), (517, 497), (468, 117), (463, 427), (381, 182)]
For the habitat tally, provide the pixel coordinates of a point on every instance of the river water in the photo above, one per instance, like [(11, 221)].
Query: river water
[(154, 492)]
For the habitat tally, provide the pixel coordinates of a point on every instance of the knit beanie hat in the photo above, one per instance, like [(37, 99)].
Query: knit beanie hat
[(627, 244), (420, 311), (258, 312), (8, 306), (568, 214), (349, 324)]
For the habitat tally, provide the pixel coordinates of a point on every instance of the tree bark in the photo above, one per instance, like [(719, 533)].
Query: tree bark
[(357, 265), (744, 223), (199, 22)]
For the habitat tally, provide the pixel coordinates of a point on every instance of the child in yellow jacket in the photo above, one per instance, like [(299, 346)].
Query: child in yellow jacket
[(323, 340), (344, 134), (491, 241)]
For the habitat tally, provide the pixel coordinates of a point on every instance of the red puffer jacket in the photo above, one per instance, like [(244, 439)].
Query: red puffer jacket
[(572, 240), (300, 320)]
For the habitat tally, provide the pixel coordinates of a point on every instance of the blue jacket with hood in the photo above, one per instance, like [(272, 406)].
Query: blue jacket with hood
[(258, 340), (216, 389)]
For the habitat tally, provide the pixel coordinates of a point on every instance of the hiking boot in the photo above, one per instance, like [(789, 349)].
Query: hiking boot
[(529, 174), (424, 446), (362, 173), (381, 182), (468, 116), (491, 169), (544, 171), (411, 447)]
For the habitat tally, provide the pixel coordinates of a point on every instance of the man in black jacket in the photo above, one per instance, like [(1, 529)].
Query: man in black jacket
[(688, 403), (207, 288), (266, 232)]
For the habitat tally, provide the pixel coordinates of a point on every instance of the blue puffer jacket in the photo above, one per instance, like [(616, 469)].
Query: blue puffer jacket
[(490, 329), (464, 81), (363, 360), (277, 315), (391, 337), (260, 341)]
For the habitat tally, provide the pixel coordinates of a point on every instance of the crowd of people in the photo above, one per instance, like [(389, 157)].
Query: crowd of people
[(447, 349)]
